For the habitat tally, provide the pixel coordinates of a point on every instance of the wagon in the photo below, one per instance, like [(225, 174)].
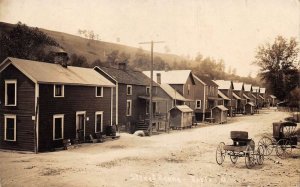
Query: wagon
[(241, 147), (284, 139)]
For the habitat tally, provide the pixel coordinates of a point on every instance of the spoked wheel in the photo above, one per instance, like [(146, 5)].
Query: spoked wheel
[(234, 158), (260, 155), (220, 153), (283, 148), (267, 144), (249, 157)]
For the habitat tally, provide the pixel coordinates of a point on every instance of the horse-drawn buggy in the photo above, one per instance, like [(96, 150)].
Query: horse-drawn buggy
[(284, 139), (242, 147)]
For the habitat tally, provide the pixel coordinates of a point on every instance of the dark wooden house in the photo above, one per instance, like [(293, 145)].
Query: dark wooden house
[(132, 99), (181, 80), (42, 104), (238, 94), (207, 97), (226, 88)]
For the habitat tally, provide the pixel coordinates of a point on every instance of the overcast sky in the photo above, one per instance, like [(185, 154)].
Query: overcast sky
[(227, 29)]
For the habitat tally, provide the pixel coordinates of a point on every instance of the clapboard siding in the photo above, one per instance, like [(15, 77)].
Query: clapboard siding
[(138, 105), (24, 110), (76, 98)]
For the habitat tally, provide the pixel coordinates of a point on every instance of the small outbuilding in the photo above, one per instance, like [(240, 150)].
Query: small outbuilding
[(219, 114), (249, 108), (181, 116)]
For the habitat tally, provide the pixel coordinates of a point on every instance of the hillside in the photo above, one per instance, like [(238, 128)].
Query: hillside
[(91, 49)]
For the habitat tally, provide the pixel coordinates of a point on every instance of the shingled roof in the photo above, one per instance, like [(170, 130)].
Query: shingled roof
[(206, 80), (41, 72), (172, 76), (238, 86), (127, 76), (224, 84)]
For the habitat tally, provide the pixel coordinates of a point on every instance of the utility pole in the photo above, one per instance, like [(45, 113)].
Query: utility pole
[(151, 84)]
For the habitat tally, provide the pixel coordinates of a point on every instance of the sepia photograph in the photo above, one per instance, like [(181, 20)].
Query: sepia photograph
[(146, 93)]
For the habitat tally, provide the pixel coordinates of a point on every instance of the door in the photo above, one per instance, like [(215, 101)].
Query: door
[(80, 125)]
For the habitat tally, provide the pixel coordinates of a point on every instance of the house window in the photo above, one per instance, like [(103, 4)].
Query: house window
[(59, 90), (128, 108), (10, 93), (129, 90), (99, 91), (99, 121), (58, 126), (147, 90), (198, 104), (10, 127), (189, 88)]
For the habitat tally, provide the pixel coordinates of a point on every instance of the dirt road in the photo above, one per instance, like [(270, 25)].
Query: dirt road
[(181, 158)]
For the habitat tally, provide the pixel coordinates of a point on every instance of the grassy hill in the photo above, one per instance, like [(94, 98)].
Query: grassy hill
[(91, 49)]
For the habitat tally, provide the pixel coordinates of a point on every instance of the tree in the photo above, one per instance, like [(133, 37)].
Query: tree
[(277, 64), (78, 60), (26, 43)]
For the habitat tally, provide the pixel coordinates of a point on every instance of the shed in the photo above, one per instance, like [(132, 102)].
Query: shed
[(181, 116), (219, 113), (249, 108)]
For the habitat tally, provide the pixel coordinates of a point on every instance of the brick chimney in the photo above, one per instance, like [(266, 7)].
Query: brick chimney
[(122, 66), (158, 78)]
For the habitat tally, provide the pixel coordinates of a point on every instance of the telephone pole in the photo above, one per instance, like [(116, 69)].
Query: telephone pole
[(151, 84)]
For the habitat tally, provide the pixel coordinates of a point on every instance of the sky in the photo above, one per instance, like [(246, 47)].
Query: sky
[(223, 29)]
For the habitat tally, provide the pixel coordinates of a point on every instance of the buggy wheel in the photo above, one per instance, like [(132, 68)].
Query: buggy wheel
[(283, 148), (267, 145), (249, 157), (260, 155), (234, 158), (220, 153)]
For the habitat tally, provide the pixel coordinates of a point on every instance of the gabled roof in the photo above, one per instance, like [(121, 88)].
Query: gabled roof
[(221, 107), (273, 96), (224, 85), (222, 95), (235, 96), (206, 80), (42, 72), (247, 87), (172, 92), (183, 108), (255, 89), (261, 97), (127, 76), (238, 86), (172, 76), (262, 90)]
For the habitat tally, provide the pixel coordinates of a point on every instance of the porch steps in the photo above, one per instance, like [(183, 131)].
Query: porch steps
[(142, 126)]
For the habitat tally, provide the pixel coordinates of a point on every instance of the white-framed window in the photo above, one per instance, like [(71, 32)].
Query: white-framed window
[(59, 90), (128, 107), (58, 126), (99, 121), (10, 127), (147, 90), (10, 92), (99, 91), (129, 90), (198, 104)]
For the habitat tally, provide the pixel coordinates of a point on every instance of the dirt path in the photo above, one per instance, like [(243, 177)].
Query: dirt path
[(181, 158)]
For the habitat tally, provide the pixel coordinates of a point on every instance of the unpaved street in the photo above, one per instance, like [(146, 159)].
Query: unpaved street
[(181, 158)]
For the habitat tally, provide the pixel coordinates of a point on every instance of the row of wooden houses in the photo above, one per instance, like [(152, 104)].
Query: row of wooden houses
[(42, 104)]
